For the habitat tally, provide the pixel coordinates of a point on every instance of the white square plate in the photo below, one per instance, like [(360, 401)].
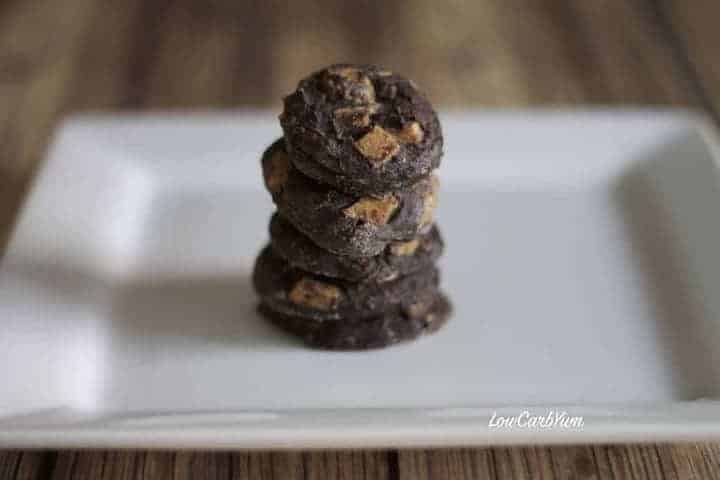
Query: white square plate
[(582, 259)]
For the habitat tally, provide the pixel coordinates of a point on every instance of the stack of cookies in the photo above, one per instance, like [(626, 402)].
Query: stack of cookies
[(351, 261)]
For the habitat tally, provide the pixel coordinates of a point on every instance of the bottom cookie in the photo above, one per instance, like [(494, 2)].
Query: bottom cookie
[(381, 331)]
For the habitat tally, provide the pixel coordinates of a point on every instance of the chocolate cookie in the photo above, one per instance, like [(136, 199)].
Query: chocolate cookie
[(345, 224), (393, 326), (294, 292), (398, 258), (361, 129)]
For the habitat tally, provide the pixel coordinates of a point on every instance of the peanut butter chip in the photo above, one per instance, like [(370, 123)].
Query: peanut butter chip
[(348, 73), (411, 133), (277, 172), (430, 202), (362, 90), (378, 146), (404, 248), (355, 116), (417, 310), (373, 210), (315, 294)]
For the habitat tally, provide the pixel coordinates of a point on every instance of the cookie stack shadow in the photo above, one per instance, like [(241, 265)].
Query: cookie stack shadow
[(353, 245)]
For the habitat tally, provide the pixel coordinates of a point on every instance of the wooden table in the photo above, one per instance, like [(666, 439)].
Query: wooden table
[(64, 56)]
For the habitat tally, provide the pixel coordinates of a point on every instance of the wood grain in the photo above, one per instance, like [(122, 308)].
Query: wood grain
[(58, 57), (103, 465), (679, 462)]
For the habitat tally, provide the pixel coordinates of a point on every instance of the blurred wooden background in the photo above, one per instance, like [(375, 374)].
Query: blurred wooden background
[(64, 56)]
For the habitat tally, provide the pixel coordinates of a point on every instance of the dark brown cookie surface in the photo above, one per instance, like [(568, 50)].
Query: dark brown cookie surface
[(391, 327), (346, 224), (397, 259), (294, 292), (361, 129)]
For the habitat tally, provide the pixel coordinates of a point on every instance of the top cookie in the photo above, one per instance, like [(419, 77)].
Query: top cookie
[(361, 129)]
